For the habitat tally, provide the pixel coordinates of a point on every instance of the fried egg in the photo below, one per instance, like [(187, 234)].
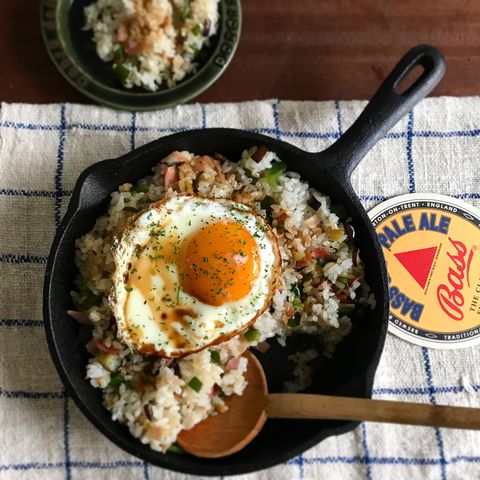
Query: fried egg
[(191, 272)]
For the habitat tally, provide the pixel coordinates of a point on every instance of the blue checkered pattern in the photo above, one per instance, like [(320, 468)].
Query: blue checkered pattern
[(42, 151)]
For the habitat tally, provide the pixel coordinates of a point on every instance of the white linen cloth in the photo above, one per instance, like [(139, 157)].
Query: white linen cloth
[(43, 148)]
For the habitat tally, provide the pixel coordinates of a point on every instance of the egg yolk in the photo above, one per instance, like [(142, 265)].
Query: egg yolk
[(219, 263)]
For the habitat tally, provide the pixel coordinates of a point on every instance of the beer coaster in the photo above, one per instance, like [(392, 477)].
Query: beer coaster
[(430, 243)]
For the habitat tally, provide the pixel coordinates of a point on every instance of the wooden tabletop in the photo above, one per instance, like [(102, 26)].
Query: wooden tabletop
[(289, 49)]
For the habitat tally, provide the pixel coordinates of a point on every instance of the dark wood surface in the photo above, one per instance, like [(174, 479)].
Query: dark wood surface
[(290, 49)]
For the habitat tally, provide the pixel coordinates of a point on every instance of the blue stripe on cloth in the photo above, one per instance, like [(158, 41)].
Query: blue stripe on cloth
[(13, 258), (82, 465), (339, 117), (96, 127), (59, 167), (125, 128), (26, 193), (333, 135), (431, 396), (464, 458), (422, 390), (10, 322), (454, 133), (29, 126), (276, 120), (133, 130), (411, 173), (204, 115), (146, 475), (66, 440), (373, 460), (367, 461), (294, 461), (30, 395), (31, 466), (373, 198), (107, 465)]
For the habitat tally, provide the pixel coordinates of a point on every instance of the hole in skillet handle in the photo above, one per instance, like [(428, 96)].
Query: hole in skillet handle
[(409, 79), (384, 110)]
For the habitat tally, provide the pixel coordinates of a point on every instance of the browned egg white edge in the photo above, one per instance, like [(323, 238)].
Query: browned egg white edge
[(118, 236)]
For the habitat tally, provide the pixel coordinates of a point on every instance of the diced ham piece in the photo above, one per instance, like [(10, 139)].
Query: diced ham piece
[(312, 254), (105, 348), (233, 363), (170, 176), (312, 222), (204, 163), (320, 252)]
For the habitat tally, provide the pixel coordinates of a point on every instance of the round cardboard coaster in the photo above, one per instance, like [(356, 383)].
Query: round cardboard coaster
[(431, 247)]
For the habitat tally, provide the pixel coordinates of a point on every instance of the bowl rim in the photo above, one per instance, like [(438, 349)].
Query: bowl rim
[(337, 427), (54, 35)]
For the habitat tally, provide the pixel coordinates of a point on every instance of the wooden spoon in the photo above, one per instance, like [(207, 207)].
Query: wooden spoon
[(227, 433)]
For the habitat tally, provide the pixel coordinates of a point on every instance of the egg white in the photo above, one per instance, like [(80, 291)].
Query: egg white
[(140, 327)]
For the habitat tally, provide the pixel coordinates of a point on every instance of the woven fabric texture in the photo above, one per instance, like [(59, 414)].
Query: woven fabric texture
[(42, 151)]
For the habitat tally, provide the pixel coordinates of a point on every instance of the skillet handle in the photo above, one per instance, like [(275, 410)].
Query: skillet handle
[(384, 110)]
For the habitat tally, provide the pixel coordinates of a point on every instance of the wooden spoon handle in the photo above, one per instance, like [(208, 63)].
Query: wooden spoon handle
[(301, 405)]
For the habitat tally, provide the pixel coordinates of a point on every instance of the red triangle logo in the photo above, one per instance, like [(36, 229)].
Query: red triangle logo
[(418, 263)]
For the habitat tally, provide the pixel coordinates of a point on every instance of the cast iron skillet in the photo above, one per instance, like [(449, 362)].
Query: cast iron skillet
[(353, 366)]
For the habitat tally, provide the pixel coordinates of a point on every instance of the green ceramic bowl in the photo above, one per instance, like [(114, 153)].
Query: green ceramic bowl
[(73, 52)]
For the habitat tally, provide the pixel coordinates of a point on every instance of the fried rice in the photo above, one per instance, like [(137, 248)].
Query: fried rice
[(321, 285), (151, 42)]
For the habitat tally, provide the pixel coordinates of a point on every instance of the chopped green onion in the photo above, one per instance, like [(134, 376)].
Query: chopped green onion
[(116, 380), (297, 302), (273, 173), (118, 54), (252, 335), (215, 357), (197, 29), (139, 187), (132, 209), (121, 73), (294, 321), (339, 210), (185, 10), (343, 280), (322, 261), (175, 448), (195, 384)]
